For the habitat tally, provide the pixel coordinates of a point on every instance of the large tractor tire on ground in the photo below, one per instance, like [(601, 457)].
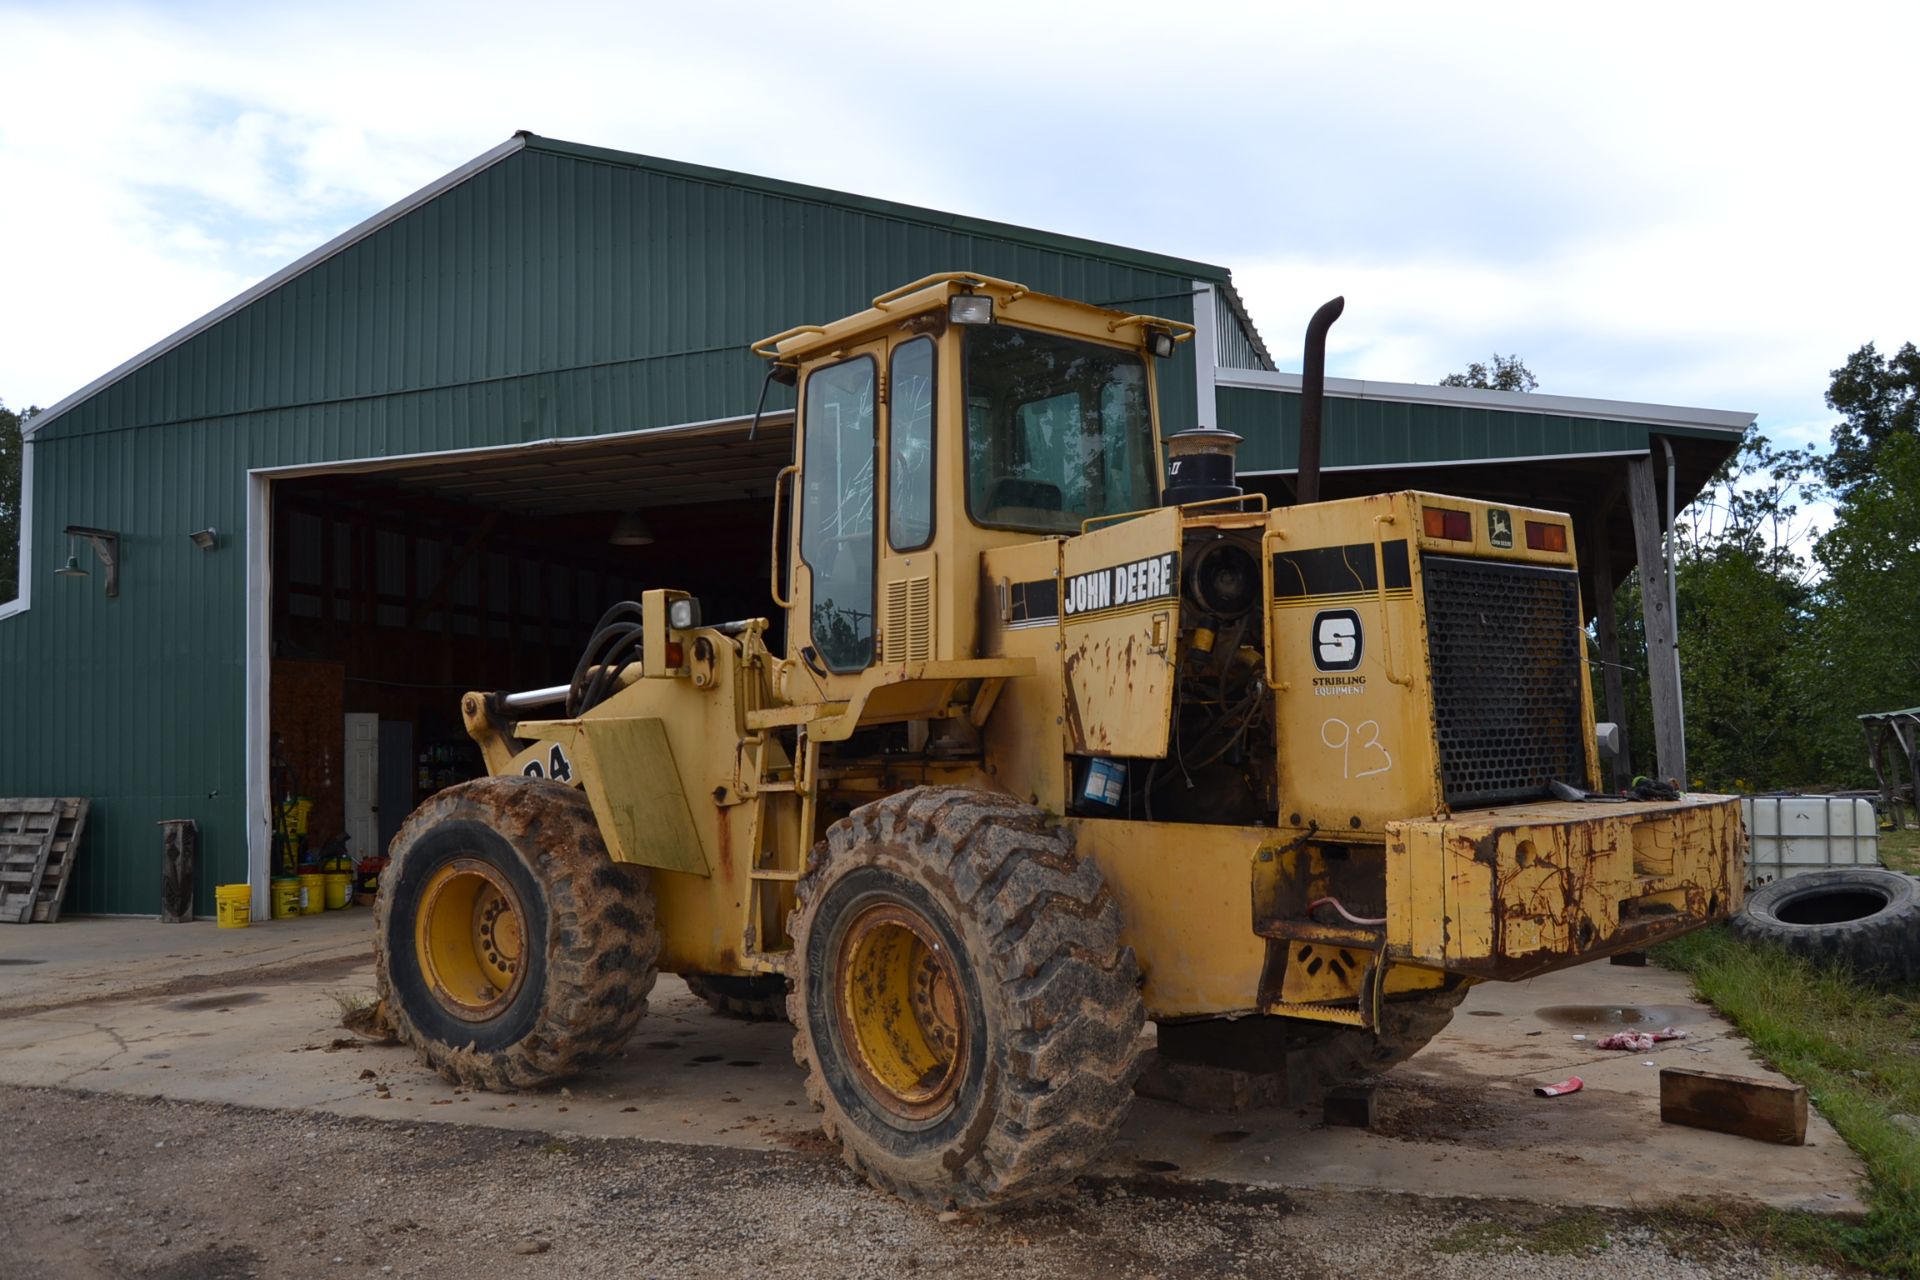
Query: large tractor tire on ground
[(1865, 917), (761, 998), (511, 950), (967, 1017)]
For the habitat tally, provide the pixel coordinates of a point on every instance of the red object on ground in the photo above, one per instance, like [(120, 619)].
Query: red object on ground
[(1572, 1084)]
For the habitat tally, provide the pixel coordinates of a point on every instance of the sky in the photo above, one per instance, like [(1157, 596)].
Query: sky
[(1675, 203)]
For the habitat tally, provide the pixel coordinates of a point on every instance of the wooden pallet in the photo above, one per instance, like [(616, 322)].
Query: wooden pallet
[(61, 857), (39, 844)]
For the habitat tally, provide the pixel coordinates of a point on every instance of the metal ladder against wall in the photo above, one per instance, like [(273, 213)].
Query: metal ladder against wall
[(783, 804)]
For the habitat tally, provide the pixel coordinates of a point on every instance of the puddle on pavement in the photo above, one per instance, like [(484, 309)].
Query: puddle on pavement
[(1611, 1015), (1485, 1013), (226, 1001), (19, 960)]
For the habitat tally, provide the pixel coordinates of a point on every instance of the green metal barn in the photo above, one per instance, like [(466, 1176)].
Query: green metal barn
[(425, 457)]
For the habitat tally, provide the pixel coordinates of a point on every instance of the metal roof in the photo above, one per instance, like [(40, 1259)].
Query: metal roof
[(888, 209), (1666, 417)]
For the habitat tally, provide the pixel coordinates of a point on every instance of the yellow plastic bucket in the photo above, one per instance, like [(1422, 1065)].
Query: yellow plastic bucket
[(339, 889), (234, 905), (313, 893), (286, 897)]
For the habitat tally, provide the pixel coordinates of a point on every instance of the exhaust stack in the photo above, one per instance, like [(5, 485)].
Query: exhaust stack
[(1313, 380)]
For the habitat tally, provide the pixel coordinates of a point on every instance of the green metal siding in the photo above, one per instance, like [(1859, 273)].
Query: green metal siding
[(560, 292), (1382, 432), (1237, 349)]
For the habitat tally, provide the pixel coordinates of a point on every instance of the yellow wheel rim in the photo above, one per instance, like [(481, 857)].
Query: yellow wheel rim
[(470, 939), (902, 1010)]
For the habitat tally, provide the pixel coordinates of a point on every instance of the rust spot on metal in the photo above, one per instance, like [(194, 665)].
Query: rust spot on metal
[(723, 842), (1076, 727)]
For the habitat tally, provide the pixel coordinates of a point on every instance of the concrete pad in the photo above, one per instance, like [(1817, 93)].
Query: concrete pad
[(88, 958), (1460, 1119)]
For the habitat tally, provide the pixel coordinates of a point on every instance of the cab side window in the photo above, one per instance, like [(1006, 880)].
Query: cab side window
[(910, 446), (837, 511)]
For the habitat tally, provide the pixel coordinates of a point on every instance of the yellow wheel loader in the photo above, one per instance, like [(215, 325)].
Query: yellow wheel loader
[(1053, 731)]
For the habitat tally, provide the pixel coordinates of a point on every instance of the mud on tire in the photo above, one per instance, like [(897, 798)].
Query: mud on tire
[(589, 942), (1047, 1002), (1865, 917)]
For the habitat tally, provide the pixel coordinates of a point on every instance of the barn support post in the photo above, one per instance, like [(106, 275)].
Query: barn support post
[(1599, 558), (1663, 649)]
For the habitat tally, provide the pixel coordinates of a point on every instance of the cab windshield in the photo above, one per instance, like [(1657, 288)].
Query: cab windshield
[(1057, 430)]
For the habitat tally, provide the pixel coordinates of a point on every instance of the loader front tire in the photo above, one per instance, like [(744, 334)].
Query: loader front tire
[(965, 1012), (511, 950)]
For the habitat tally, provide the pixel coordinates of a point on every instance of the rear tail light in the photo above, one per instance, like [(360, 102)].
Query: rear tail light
[(1546, 537), (1457, 526)]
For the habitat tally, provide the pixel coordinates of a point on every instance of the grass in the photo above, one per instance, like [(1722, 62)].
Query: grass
[(1581, 1231), (1901, 850), (1857, 1049), (351, 1002)]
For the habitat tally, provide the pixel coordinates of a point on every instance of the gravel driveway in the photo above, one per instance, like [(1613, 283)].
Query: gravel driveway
[(98, 1185)]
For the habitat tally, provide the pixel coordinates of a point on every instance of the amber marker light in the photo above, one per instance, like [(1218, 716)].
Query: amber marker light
[(1456, 526), (1546, 537)]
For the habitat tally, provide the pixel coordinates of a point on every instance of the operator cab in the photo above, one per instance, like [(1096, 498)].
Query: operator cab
[(1059, 428)]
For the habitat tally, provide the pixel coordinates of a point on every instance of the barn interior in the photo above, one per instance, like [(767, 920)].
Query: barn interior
[(396, 589)]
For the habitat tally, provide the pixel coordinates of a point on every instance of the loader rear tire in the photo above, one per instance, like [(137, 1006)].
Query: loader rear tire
[(761, 998), (1336, 1055), (511, 951), (967, 1017)]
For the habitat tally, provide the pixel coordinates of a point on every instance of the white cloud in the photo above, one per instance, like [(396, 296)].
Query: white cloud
[(1684, 204)]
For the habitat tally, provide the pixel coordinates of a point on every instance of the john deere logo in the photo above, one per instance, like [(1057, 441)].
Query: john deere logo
[(1500, 527)]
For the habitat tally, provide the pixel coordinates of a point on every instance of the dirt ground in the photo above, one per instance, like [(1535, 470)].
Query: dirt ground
[(99, 1185)]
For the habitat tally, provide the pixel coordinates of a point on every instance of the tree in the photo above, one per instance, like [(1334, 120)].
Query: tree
[(1506, 374), (1869, 627), (1881, 400), (1753, 501), (10, 499), (1757, 713)]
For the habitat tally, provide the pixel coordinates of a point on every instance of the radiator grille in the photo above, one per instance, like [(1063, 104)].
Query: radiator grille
[(1507, 667), (907, 634)]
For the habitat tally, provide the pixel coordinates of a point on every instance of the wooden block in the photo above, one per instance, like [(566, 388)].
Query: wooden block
[(1747, 1108), (1350, 1105)]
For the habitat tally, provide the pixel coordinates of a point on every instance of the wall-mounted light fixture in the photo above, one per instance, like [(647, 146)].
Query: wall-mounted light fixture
[(106, 546), (630, 531), (205, 539)]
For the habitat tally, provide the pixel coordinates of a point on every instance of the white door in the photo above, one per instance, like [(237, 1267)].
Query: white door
[(362, 783)]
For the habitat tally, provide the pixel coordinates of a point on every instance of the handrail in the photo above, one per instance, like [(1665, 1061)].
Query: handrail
[(773, 569), (1386, 612), (769, 348), (1268, 538), (1086, 525), (972, 279), (1180, 329)]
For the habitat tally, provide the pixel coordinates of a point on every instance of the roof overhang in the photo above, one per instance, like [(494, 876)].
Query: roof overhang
[(1732, 424)]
